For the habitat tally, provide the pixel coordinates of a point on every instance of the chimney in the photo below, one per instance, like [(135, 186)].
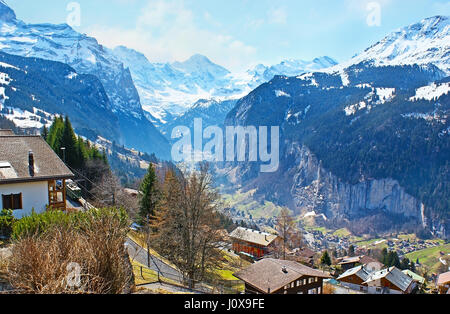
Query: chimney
[(284, 269), (31, 163)]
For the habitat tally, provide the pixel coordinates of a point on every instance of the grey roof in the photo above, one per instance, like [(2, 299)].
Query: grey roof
[(14, 166), (359, 271), (253, 236), (268, 274), (414, 276), (394, 276), (6, 133)]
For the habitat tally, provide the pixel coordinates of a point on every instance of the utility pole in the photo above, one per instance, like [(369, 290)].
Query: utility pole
[(64, 153), (148, 243)]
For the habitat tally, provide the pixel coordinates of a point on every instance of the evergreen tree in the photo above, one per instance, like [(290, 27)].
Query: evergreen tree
[(55, 134), (151, 194), (69, 142), (82, 153), (351, 251), (325, 259), (384, 254)]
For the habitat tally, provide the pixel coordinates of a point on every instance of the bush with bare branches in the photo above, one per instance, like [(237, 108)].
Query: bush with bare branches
[(85, 256)]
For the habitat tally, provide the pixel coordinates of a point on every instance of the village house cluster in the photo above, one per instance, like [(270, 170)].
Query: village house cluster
[(296, 274)]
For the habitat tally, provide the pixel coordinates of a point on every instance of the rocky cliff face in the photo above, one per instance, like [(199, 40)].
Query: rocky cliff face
[(374, 205), (314, 187)]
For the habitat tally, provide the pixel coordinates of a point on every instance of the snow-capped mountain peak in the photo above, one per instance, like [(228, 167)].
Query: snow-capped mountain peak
[(6, 13), (173, 88), (262, 73), (426, 42), (201, 65)]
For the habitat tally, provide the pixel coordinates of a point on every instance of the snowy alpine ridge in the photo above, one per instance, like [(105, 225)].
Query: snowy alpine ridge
[(83, 53), (171, 89)]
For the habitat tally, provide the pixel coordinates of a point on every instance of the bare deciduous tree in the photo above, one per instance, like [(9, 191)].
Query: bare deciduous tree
[(288, 232), (186, 225)]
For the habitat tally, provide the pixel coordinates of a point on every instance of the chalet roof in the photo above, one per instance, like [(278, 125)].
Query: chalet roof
[(14, 160), (305, 252), (350, 260), (394, 276), (253, 236), (359, 271), (6, 133), (414, 276), (268, 276), (364, 259), (443, 279)]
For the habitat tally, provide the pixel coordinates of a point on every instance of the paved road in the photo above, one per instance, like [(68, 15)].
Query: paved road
[(167, 287), (139, 254)]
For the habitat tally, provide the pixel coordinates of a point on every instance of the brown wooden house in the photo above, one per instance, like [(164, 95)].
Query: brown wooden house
[(252, 242), (272, 276), (347, 263), (32, 176), (386, 281), (443, 283)]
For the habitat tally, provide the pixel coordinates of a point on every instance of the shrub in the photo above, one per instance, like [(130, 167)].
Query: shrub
[(49, 249), (40, 223), (6, 223)]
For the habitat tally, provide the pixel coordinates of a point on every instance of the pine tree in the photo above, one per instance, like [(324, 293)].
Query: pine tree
[(351, 251), (325, 260), (150, 197), (384, 254), (55, 134), (69, 142), (82, 153)]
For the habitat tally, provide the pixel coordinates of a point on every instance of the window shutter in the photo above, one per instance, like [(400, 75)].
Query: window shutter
[(7, 202)]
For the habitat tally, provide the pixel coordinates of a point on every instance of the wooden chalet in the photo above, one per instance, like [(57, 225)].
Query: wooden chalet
[(347, 263), (386, 281), (443, 283), (252, 242), (272, 276)]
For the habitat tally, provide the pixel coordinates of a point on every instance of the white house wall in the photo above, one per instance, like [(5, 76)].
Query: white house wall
[(34, 196)]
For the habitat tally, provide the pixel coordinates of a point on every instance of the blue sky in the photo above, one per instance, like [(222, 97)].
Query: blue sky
[(237, 33)]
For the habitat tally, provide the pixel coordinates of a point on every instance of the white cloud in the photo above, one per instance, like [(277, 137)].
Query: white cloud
[(278, 16), (166, 31)]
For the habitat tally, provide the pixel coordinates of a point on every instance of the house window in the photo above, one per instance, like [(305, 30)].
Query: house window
[(12, 201)]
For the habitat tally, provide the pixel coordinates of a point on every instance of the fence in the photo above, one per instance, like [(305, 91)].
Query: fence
[(207, 286)]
